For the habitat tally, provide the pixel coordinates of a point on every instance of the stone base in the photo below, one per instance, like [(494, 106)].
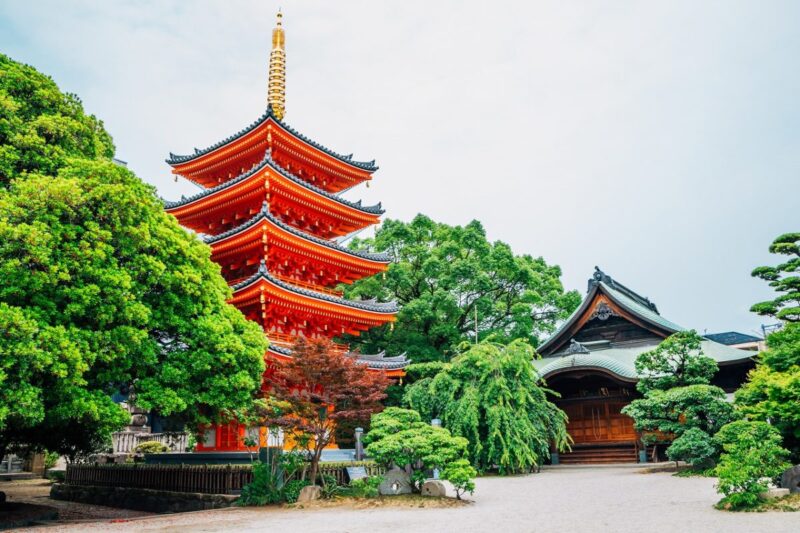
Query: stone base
[(774, 493), (791, 479), (434, 488), (309, 494), (154, 501)]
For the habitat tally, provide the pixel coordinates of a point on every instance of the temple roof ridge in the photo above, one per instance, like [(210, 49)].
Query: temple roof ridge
[(376, 209), (600, 276), (265, 214), (263, 273), (175, 159)]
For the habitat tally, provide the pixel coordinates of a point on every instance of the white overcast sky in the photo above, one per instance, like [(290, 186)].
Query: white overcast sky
[(658, 140)]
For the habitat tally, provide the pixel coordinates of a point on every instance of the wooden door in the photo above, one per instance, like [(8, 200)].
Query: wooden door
[(597, 421)]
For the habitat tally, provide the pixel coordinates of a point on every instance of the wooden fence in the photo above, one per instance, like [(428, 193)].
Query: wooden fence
[(208, 479)]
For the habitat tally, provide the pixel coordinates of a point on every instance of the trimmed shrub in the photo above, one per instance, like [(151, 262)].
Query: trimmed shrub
[(752, 459), (696, 447), (151, 447)]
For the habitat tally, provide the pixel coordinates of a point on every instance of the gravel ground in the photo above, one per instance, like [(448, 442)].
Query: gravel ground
[(557, 500)]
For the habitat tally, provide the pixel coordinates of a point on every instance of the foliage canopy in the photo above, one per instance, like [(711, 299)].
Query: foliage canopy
[(102, 291), (492, 396), (752, 458), (675, 362), (446, 278), (679, 400), (318, 388), (772, 390), (400, 437), (41, 127), (784, 278)]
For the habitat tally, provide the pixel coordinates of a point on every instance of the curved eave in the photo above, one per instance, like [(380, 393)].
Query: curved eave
[(176, 160), (588, 362), (265, 217), (267, 162), (382, 311), (388, 364)]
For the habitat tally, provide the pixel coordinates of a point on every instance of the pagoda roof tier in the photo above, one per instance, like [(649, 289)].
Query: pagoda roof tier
[(379, 361), (371, 311), (249, 188), (261, 135), (245, 237)]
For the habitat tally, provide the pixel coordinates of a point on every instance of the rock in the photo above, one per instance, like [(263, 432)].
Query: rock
[(774, 493), (310, 493), (791, 479), (2, 498), (395, 481), (434, 488)]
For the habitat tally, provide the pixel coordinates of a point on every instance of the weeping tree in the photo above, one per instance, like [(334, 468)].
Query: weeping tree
[(491, 395)]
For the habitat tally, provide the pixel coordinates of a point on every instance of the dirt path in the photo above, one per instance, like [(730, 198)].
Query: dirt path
[(575, 501)]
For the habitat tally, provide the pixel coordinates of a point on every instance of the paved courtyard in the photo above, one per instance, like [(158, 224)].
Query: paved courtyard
[(558, 500)]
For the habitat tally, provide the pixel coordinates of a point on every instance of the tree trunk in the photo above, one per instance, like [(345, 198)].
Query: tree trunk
[(315, 464)]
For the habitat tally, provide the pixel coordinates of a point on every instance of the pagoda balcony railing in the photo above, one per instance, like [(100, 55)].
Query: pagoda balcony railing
[(287, 341), (309, 286)]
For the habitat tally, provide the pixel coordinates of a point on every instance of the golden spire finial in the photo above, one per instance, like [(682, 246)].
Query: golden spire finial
[(276, 89)]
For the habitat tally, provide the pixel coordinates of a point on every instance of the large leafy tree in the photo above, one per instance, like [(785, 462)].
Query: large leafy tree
[(450, 281), (679, 400), (101, 290), (784, 278), (772, 390), (41, 127), (492, 396), (318, 388)]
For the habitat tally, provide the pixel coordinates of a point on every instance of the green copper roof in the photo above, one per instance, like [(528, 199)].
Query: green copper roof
[(620, 360), (640, 310), (593, 361)]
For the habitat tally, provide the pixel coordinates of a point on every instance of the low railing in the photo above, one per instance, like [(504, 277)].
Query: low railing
[(127, 441), (286, 340), (208, 479)]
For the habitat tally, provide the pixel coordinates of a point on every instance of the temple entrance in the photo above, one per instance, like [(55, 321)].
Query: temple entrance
[(600, 432), (598, 421)]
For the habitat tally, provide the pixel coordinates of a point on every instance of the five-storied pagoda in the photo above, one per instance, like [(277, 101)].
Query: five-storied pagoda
[(272, 213)]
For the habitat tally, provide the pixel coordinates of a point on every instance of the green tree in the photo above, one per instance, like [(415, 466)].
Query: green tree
[(675, 411), (104, 291), (752, 459), (676, 362), (772, 390), (461, 475), (784, 279), (400, 437), (679, 400), (446, 278), (41, 127), (492, 396)]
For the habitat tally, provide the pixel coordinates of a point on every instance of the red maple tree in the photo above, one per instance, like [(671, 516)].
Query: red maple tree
[(318, 387)]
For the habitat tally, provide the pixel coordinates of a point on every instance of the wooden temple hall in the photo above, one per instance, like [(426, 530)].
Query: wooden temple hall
[(589, 361), (270, 207)]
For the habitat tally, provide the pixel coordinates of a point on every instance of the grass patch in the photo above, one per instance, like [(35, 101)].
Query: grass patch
[(695, 472), (787, 504), (402, 501)]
